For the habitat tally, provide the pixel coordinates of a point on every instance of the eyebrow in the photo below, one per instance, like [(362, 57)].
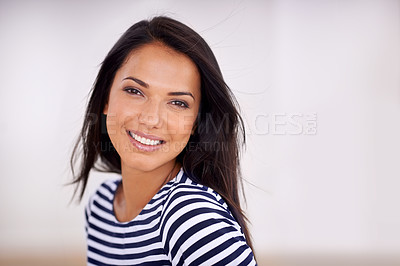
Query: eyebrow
[(174, 93), (138, 81)]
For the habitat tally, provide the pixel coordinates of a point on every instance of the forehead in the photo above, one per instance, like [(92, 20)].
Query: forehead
[(161, 67)]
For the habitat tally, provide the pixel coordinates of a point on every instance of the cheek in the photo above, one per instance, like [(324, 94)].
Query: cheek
[(114, 130), (181, 125), (111, 124), (121, 114)]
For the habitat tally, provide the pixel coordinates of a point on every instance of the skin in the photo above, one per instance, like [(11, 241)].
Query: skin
[(152, 108)]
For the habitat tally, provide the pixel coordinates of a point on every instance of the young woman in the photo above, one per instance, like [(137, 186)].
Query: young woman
[(168, 124)]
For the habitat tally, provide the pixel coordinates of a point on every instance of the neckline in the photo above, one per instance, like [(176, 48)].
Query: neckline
[(118, 183)]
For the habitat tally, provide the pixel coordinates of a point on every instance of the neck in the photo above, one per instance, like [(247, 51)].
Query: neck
[(139, 187)]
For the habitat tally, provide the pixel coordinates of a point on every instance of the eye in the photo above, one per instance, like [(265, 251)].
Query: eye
[(180, 104), (132, 90)]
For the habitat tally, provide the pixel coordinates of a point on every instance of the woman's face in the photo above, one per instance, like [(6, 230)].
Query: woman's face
[(152, 107)]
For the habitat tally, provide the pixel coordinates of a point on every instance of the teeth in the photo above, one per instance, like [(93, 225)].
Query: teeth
[(145, 141)]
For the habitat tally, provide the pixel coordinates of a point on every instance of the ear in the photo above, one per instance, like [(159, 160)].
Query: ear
[(105, 110)]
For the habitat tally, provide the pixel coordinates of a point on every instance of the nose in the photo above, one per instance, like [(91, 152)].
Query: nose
[(150, 115)]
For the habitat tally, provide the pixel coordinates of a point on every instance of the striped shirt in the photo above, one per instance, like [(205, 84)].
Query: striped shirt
[(185, 223)]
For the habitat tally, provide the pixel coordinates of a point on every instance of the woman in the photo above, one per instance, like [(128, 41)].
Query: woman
[(169, 126)]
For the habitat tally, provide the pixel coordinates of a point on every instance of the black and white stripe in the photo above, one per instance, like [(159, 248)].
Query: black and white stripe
[(184, 224)]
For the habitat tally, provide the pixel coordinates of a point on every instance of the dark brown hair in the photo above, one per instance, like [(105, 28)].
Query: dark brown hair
[(211, 156)]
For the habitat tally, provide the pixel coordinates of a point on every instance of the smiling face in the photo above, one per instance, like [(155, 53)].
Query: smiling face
[(152, 107)]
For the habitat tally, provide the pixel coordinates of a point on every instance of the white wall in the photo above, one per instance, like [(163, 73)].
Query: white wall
[(319, 86)]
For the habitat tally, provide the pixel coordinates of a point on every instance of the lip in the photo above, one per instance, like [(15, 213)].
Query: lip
[(143, 147), (147, 136)]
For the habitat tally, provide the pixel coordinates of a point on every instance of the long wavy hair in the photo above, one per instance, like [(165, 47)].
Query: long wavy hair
[(211, 156)]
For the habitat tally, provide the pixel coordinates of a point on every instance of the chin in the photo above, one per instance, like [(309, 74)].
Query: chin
[(141, 164)]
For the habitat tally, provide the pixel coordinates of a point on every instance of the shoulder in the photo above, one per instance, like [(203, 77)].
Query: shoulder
[(198, 227), (103, 196), (188, 198)]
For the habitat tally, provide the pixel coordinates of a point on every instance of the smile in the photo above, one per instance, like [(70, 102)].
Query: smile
[(144, 140), (149, 143)]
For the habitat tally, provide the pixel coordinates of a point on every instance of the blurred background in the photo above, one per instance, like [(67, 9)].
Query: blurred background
[(319, 87)]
